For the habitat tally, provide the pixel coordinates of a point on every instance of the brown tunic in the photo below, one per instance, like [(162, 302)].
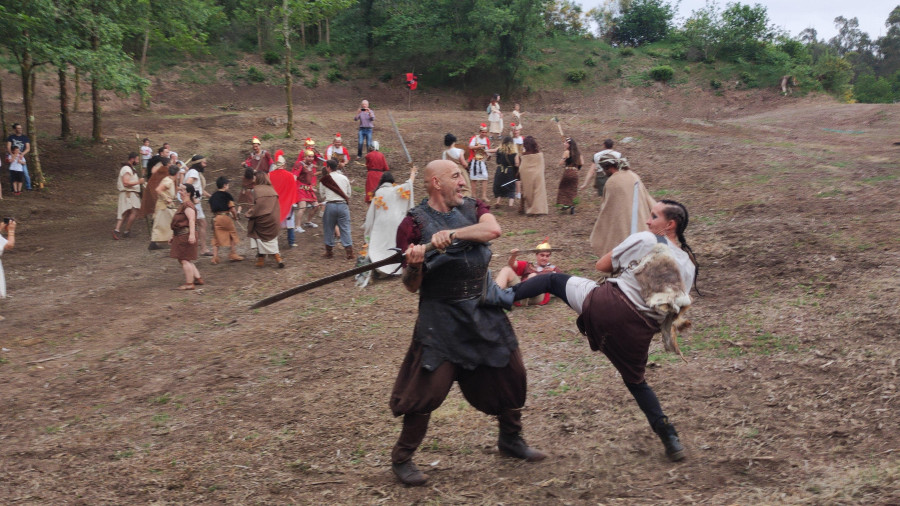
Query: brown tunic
[(568, 187), (148, 200), (181, 248), (614, 326), (263, 221)]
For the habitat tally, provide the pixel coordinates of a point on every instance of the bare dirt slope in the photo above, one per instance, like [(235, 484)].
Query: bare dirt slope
[(789, 393)]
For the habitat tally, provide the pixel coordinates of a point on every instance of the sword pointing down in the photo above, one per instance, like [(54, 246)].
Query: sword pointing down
[(393, 259)]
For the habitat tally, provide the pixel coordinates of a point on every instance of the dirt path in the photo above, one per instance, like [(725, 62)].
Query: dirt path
[(789, 394)]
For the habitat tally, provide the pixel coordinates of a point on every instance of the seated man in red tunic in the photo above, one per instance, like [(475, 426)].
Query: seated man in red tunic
[(519, 270)]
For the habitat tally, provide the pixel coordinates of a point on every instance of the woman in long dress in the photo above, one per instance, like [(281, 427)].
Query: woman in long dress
[(495, 117), (531, 173), (184, 236), (388, 208), (507, 173), (568, 184)]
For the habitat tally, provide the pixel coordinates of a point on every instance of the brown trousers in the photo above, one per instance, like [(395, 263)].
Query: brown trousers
[(499, 391)]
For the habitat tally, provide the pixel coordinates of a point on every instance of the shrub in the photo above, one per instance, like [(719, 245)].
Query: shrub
[(747, 78), (312, 82), (626, 51), (679, 53), (715, 84), (873, 90), (271, 58), (314, 67), (254, 75), (334, 75), (575, 75), (541, 68), (386, 77), (590, 62), (662, 73)]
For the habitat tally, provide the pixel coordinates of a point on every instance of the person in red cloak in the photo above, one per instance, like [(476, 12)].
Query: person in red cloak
[(285, 185), (305, 171), (376, 166)]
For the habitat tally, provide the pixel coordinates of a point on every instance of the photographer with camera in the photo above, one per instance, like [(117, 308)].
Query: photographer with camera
[(8, 226), (366, 119)]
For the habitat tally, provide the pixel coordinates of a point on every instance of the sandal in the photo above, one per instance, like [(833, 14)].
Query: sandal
[(198, 281), (186, 286)]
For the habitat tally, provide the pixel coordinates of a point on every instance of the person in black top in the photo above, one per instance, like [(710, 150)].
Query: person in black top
[(221, 203)]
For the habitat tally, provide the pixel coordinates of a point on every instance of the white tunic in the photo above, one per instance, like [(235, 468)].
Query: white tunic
[(388, 208)]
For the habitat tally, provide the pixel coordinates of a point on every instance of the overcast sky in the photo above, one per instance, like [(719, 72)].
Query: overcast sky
[(796, 15)]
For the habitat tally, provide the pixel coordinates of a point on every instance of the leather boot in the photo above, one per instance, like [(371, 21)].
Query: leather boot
[(512, 445), (329, 252), (669, 437), (260, 260), (279, 261), (409, 474), (493, 295), (349, 250)]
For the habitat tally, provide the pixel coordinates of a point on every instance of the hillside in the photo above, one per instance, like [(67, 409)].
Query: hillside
[(119, 390)]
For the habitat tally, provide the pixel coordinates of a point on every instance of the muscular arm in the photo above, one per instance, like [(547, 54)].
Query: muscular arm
[(487, 229)]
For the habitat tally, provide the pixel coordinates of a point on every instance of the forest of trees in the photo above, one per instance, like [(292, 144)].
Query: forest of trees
[(451, 43)]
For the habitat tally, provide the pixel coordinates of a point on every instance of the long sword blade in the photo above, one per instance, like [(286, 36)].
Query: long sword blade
[(397, 131), (393, 259)]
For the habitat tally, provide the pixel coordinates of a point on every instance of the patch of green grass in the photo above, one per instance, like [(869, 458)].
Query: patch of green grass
[(279, 358), (122, 454), (159, 419), (162, 399), (52, 429), (879, 179), (266, 137), (527, 231)]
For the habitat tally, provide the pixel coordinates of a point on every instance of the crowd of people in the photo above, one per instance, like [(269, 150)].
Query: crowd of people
[(463, 333)]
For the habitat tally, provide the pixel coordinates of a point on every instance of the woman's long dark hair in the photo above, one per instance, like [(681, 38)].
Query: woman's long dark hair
[(679, 214), (574, 159)]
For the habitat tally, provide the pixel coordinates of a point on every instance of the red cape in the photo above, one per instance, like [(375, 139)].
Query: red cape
[(285, 185)]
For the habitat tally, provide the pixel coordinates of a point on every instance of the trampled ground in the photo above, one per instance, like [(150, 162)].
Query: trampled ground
[(789, 393)]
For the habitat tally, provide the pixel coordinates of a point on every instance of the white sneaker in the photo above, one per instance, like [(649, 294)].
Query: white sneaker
[(311, 225), (299, 230)]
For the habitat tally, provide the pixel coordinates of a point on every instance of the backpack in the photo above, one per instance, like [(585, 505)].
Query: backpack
[(488, 110)]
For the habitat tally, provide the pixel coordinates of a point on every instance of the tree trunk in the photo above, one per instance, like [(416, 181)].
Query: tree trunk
[(320, 32), (145, 97), (288, 78), (96, 110), (3, 134), (27, 70), (259, 35), (144, 51), (65, 128), (370, 37), (77, 90), (327, 31), (303, 36)]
